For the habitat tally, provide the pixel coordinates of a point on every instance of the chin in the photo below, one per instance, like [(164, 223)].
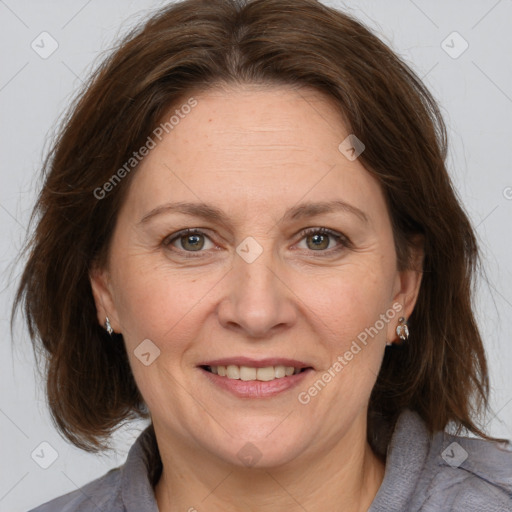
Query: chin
[(262, 451)]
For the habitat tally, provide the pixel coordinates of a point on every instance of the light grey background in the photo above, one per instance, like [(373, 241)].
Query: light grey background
[(475, 94)]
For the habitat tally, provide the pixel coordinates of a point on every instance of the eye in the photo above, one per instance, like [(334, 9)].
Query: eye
[(189, 240), (193, 240), (318, 240)]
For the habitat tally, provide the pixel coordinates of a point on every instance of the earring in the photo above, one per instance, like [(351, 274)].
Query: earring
[(402, 331), (108, 327)]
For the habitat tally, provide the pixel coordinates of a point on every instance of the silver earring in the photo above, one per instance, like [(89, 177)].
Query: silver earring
[(402, 331), (108, 327)]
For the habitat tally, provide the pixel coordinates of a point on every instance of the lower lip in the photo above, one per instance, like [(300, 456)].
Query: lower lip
[(257, 388)]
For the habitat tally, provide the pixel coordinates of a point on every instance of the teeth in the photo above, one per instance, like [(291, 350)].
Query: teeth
[(233, 372), (280, 371), (265, 374), (248, 373)]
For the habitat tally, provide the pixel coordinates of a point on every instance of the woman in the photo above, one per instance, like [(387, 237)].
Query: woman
[(247, 234)]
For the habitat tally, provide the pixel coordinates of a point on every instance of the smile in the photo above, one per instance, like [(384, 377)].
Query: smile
[(252, 382), (247, 373)]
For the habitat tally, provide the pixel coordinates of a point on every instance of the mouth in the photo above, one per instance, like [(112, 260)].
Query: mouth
[(247, 373), (251, 378)]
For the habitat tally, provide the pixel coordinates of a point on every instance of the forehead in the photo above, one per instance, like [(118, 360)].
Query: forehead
[(254, 145)]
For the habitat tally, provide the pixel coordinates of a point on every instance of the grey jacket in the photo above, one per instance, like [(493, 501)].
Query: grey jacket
[(441, 474)]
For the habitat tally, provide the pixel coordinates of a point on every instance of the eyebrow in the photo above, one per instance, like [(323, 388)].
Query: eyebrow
[(212, 213)]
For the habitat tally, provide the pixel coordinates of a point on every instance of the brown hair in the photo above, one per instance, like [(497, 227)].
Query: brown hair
[(192, 45)]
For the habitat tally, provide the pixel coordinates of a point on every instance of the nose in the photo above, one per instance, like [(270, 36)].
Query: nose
[(259, 300)]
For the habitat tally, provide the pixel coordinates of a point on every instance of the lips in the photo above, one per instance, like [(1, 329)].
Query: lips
[(256, 382)]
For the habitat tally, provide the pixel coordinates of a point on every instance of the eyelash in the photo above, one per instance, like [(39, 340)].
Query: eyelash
[(341, 239)]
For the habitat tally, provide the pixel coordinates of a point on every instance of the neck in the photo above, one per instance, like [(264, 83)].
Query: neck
[(345, 478)]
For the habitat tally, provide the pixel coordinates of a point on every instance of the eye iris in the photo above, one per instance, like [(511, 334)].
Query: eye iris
[(197, 242), (318, 238)]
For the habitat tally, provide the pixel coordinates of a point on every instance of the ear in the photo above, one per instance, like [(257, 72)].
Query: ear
[(407, 284), (103, 297)]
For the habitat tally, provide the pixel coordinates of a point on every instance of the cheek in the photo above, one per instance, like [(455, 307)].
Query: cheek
[(158, 302), (348, 300), (166, 307)]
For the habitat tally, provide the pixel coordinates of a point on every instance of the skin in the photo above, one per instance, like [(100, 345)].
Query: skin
[(254, 152)]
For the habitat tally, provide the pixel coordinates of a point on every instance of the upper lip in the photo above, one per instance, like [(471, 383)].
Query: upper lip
[(256, 363)]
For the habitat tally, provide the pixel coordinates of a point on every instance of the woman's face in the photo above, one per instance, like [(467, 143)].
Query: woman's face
[(251, 289)]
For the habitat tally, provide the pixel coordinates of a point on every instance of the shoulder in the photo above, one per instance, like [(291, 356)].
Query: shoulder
[(104, 493), (430, 473), (467, 475), (128, 486)]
